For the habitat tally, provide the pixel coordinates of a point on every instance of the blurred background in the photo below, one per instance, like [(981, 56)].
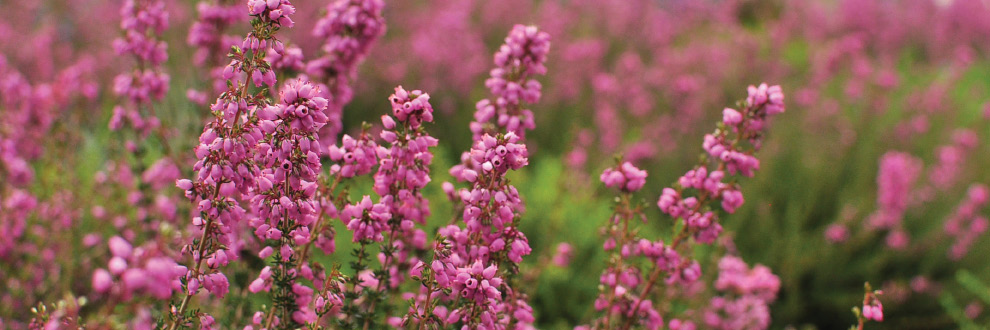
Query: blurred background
[(644, 79)]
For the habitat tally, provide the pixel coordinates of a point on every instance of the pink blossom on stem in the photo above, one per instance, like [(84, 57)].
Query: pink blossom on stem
[(227, 167), (349, 29), (966, 224), (512, 84), (285, 198), (898, 172)]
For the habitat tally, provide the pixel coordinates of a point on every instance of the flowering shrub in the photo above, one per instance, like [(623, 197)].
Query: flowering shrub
[(318, 195)]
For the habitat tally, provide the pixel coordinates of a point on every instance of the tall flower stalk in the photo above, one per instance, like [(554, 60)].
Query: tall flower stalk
[(490, 247), (626, 298), (402, 172), (143, 22), (208, 35), (349, 29), (226, 168), (512, 83), (285, 197)]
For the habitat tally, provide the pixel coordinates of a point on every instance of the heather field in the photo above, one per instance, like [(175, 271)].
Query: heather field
[(511, 164)]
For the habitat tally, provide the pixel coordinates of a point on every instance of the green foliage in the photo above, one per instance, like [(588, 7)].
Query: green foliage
[(957, 313)]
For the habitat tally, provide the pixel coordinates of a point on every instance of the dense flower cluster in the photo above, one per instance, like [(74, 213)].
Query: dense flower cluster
[(747, 294), (512, 84), (966, 224), (491, 240), (367, 221), (730, 157), (349, 29), (623, 298), (479, 285), (140, 272), (401, 165), (284, 201), (143, 22), (626, 178), (895, 180), (403, 171), (227, 167), (950, 159), (872, 307), (354, 157), (621, 275), (873, 310), (208, 35)]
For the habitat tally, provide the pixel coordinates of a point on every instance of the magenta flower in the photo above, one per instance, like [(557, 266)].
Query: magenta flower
[(626, 177), (521, 57), (348, 30)]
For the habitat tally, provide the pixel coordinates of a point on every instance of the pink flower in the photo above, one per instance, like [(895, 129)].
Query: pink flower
[(836, 233), (102, 280), (563, 256), (626, 177)]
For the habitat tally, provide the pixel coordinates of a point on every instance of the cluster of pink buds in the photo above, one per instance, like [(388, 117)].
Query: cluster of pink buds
[(703, 224), (491, 157), (516, 63), (289, 156), (622, 277), (872, 307), (478, 284), (895, 180), (873, 311), (354, 157), (366, 220), (285, 199), (276, 11), (207, 34), (491, 203), (403, 171), (435, 276), (143, 22), (746, 296), (490, 238), (729, 151), (950, 158), (728, 154), (626, 178), (227, 171), (491, 206), (966, 224), (141, 271), (349, 29), (746, 124)]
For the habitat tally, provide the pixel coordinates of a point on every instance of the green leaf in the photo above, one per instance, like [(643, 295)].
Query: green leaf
[(955, 312), (974, 285)]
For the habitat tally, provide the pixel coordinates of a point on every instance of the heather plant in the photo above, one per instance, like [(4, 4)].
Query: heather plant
[(349, 29), (478, 199), (227, 161), (626, 289), (209, 34), (872, 307)]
